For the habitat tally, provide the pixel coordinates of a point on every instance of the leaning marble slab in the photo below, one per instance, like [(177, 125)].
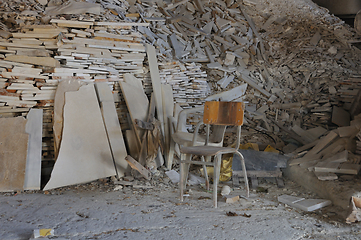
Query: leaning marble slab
[(112, 126), (137, 104), (84, 154), (63, 87), (34, 127), (13, 151)]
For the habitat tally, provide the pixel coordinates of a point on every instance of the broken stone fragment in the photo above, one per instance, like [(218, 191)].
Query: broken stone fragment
[(354, 210)]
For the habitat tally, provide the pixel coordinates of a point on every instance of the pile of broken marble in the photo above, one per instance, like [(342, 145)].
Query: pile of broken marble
[(292, 72)]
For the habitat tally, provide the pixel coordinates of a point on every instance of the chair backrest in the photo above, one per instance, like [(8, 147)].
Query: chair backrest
[(223, 113)]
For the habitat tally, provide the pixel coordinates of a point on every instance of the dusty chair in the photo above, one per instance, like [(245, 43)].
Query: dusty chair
[(219, 114), (182, 137)]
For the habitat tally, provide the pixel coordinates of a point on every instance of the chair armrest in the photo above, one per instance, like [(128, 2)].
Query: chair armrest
[(172, 124), (182, 117), (196, 130)]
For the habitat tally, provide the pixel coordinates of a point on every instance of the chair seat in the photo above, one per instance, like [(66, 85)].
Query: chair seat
[(207, 150), (186, 138)]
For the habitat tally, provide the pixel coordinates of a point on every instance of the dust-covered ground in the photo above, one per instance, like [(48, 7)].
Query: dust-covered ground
[(152, 210)]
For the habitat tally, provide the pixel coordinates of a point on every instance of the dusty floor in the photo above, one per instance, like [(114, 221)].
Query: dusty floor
[(144, 211)]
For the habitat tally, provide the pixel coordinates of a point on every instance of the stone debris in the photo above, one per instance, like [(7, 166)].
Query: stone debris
[(298, 72)]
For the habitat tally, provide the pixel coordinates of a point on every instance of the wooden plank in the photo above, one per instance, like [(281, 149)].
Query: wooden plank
[(135, 165), (20, 45), (290, 133), (335, 147), (302, 133), (23, 104), (356, 104), (306, 146), (132, 143), (112, 37), (340, 117), (69, 23), (305, 159), (349, 131), (36, 35), (314, 153), (253, 84), (339, 157), (316, 132), (150, 118), (157, 89), (5, 34), (121, 24), (168, 106), (323, 143), (43, 61), (18, 74), (10, 64), (315, 38), (35, 71), (349, 168), (261, 174), (13, 110)]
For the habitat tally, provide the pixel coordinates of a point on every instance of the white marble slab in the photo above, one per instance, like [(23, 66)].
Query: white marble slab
[(112, 127), (84, 154), (103, 92), (63, 87), (115, 137), (308, 205), (34, 127), (137, 104)]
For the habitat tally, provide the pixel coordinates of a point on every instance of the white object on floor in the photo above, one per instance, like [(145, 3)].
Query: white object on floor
[(308, 205)]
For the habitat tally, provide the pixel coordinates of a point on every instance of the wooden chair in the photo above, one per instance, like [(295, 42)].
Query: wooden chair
[(217, 114)]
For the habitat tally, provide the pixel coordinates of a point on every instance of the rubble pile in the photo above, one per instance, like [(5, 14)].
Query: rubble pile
[(297, 72)]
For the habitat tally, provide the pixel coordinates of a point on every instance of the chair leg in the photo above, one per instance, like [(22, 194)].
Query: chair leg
[(184, 169), (216, 173), (244, 171), (170, 155), (205, 173)]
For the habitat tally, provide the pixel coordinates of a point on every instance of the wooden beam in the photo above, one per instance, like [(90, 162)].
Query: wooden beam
[(137, 166)]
